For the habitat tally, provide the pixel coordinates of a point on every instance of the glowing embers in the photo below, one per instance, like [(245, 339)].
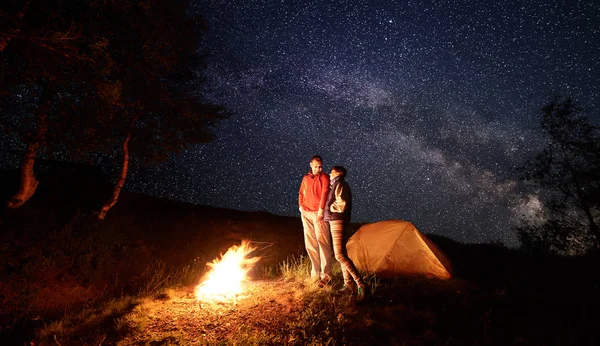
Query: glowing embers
[(225, 278)]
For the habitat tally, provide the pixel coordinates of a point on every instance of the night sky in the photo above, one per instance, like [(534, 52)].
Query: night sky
[(430, 105)]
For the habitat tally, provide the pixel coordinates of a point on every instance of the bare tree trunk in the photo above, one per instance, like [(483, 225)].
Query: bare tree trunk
[(28, 181), (117, 189)]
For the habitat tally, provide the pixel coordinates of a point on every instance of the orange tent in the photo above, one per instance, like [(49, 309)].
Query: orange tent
[(395, 247)]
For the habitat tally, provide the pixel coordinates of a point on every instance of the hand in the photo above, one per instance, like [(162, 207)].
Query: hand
[(320, 214)]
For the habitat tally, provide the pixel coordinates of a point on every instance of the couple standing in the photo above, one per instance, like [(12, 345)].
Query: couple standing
[(325, 204)]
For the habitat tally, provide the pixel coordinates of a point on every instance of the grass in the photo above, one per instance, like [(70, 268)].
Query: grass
[(88, 324), (295, 267)]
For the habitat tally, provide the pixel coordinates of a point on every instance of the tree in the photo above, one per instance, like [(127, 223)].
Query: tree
[(566, 177), (155, 62), (117, 76), (42, 51)]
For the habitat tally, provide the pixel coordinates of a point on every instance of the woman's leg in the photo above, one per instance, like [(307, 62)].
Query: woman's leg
[(349, 271)]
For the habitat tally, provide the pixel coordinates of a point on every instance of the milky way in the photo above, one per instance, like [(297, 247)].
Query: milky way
[(430, 105)]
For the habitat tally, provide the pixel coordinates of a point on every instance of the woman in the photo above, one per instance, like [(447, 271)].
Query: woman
[(337, 212)]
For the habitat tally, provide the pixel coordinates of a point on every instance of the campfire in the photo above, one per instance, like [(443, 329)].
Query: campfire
[(226, 277)]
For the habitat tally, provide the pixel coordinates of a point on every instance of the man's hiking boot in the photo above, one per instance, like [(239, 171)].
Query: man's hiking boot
[(323, 282)]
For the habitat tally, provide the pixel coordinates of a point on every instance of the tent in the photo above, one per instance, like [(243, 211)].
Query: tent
[(395, 247)]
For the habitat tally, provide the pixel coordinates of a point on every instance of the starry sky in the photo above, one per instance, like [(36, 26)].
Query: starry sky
[(430, 105)]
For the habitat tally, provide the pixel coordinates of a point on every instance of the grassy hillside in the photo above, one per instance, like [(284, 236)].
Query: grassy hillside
[(69, 279)]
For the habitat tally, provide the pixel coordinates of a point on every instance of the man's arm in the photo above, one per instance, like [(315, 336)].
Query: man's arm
[(301, 195), (324, 179)]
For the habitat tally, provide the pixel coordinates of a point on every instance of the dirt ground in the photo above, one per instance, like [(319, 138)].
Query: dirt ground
[(265, 305)]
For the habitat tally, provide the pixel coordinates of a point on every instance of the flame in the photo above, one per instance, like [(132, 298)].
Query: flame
[(226, 276)]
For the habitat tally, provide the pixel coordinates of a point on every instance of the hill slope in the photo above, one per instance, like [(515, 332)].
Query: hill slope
[(58, 260)]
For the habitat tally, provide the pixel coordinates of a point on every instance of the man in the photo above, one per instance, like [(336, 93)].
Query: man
[(338, 210), (312, 196)]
